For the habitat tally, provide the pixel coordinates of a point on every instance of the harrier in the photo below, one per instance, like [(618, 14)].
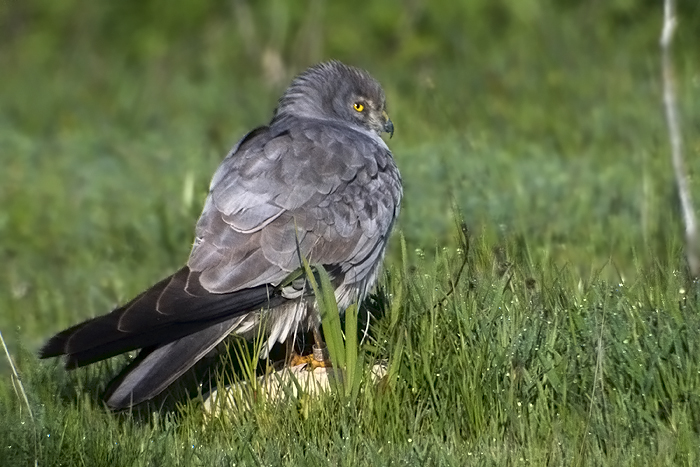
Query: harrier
[(317, 183)]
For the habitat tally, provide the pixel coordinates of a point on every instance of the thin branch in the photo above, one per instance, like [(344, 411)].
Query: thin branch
[(19, 389), (246, 27), (672, 119), (597, 378), (16, 381), (464, 244)]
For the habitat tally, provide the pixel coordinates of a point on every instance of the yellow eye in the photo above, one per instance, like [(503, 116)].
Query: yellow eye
[(359, 107)]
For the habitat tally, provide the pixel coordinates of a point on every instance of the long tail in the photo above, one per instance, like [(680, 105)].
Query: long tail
[(176, 322), (157, 368)]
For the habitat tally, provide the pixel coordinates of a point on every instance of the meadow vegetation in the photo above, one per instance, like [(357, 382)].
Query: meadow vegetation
[(535, 308)]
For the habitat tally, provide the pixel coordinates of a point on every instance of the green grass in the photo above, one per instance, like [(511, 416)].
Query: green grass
[(569, 338)]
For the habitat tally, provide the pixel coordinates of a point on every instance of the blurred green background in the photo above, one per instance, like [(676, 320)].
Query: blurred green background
[(539, 120)]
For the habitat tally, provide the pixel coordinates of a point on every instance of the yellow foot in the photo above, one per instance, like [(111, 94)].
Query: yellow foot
[(313, 361), (319, 364), (297, 359)]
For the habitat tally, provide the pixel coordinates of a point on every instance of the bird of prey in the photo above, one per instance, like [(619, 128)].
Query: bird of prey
[(317, 183)]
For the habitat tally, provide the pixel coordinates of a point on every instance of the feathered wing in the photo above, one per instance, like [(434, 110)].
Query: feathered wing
[(320, 190), (312, 189)]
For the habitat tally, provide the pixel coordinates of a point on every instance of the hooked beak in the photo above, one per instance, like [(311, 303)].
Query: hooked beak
[(388, 125)]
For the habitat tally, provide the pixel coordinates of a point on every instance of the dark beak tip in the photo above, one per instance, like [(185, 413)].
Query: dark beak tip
[(389, 128)]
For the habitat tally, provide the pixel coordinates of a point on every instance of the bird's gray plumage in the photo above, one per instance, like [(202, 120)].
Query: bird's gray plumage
[(318, 182)]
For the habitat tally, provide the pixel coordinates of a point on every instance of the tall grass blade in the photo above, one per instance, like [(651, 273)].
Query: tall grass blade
[(328, 308)]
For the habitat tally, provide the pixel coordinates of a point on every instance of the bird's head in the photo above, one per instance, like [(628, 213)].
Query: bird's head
[(335, 91)]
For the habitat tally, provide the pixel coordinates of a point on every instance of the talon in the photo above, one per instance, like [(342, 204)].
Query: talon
[(297, 360), (318, 359), (313, 364)]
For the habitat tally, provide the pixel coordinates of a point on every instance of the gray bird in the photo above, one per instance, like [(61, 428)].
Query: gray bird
[(318, 182)]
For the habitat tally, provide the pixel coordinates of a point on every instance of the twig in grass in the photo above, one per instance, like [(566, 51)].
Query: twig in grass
[(672, 119), (19, 389), (597, 376), (16, 378), (464, 243)]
